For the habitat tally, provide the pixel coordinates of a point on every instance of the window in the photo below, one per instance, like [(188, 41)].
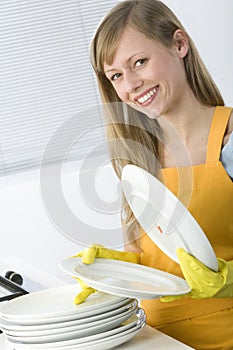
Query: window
[(47, 79)]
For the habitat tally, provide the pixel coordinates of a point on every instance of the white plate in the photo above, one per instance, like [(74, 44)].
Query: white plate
[(13, 328), (56, 321), (123, 278), (101, 344), (114, 336), (164, 218), (69, 332), (53, 303)]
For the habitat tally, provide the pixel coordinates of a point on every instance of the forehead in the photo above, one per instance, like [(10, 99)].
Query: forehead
[(131, 42)]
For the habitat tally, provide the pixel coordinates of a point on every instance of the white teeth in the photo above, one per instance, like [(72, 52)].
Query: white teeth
[(147, 96)]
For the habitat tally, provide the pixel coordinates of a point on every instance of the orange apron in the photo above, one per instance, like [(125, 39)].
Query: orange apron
[(203, 323)]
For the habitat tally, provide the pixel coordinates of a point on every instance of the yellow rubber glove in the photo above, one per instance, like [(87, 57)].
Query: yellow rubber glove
[(89, 254), (204, 282), (97, 251), (85, 293)]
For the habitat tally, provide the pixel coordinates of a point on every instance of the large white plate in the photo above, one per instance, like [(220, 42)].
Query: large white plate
[(104, 340), (69, 332), (101, 344), (53, 303), (164, 218), (57, 320), (124, 279), (13, 328)]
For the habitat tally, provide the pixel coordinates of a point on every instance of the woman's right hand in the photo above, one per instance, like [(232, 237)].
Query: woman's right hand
[(88, 256)]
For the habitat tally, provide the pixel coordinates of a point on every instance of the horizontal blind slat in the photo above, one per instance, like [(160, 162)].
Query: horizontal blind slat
[(47, 82)]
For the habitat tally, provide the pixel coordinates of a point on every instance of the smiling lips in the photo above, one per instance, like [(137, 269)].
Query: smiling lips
[(146, 98)]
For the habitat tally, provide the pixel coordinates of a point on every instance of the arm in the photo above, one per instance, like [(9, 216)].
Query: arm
[(229, 130), (227, 150), (227, 156)]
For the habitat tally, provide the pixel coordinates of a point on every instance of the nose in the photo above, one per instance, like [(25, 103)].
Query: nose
[(132, 81)]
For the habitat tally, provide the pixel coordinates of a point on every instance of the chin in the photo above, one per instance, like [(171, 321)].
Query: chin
[(149, 112), (153, 115)]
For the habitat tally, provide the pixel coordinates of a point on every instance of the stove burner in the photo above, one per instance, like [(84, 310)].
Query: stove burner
[(14, 277)]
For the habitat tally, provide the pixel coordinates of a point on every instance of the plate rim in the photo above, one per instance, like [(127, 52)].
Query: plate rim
[(111, 300), (115, 290)]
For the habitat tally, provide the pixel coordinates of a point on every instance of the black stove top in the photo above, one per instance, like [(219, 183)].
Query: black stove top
[(10, 287)]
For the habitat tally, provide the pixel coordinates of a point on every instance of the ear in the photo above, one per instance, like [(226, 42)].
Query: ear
[(181, 43)]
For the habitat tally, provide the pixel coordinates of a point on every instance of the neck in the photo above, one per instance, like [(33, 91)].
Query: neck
[(185, 135), (189, 120)]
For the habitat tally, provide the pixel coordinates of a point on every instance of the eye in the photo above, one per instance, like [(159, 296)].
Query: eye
[(140, 62), (115, 76)]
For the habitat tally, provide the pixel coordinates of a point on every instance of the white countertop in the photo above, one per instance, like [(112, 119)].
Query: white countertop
[(147, 339)]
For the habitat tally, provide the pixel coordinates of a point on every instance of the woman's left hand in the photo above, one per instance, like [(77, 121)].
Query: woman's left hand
[(204, 282)]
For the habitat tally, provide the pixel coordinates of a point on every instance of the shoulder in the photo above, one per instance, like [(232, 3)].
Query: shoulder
[(229, 129)]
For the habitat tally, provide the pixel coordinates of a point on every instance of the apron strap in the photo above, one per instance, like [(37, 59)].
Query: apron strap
[(217, 132)]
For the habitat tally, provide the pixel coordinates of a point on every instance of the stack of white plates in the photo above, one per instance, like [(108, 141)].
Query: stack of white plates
[(49, 319)]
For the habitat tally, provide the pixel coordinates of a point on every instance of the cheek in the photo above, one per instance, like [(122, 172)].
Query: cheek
[(121, 93)]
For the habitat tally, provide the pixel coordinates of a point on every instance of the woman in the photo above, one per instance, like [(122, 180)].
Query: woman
[(171, 108)]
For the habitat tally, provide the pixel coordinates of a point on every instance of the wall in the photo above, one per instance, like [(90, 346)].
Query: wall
[(209, 23)]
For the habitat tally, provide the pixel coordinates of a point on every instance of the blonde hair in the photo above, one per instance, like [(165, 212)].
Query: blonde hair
[(127, 127)]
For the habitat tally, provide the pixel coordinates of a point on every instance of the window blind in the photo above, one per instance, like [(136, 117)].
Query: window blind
[(47, 80)]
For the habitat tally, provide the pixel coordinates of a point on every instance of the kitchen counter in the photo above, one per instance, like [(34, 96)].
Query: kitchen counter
[(147, 339)]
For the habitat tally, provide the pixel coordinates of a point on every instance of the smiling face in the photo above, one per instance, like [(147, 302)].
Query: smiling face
[(147, 75)]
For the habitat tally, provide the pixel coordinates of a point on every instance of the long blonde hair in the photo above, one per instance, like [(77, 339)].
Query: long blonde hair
[(130, 132)]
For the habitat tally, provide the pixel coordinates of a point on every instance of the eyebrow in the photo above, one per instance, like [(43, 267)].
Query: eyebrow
[(127, 61)]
